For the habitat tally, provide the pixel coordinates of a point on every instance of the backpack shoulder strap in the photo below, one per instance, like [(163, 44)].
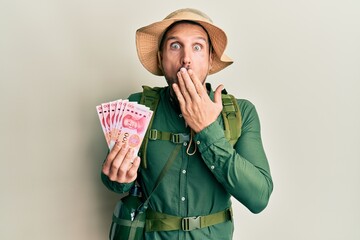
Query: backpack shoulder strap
[(232, 118), (150, 97)]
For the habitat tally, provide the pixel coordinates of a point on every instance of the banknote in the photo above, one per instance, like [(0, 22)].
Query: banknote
[(124, 121), (116, 130), (113, 106), (99, 110), (114, 117), (134, 122), (106, 118)]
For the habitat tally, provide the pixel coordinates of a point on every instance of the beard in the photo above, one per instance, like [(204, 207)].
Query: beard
[(173, 98)]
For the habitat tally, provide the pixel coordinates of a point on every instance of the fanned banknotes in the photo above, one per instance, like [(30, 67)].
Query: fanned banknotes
[(124, 121)]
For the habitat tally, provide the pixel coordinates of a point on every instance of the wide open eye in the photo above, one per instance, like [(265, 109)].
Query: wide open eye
[(197, 47), (175, 45)]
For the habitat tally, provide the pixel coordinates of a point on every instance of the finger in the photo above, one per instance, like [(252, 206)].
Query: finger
[(129, 158), (178, 94), (132, 173), (188, 83), (136, 163), (126, 164), (114, 168), (182, 86), (199, 87), (217, 94), (110, 158)]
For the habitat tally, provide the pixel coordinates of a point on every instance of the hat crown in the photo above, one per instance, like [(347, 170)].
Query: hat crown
[(189, 14)]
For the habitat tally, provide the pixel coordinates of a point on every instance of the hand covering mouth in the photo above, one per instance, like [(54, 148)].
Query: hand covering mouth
[(186, 67)]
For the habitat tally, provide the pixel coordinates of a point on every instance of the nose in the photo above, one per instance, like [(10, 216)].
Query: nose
[(186, 60)]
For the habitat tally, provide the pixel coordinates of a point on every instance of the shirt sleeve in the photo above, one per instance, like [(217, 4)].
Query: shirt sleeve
[(243, 170), (115, 186)]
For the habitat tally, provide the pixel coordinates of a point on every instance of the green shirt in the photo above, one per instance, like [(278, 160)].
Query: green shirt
[(203, 183)]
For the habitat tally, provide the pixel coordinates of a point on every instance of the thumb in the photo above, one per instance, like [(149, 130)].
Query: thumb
[(217, 94)]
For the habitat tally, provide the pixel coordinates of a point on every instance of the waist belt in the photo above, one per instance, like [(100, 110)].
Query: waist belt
[(156, 221)]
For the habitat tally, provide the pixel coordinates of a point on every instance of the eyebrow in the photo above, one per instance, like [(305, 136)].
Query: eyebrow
[(176, 38)]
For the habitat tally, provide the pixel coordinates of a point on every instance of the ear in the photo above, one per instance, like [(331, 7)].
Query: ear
[(159, 61), (211, 56)]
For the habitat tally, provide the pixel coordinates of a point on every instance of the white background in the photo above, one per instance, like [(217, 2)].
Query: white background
[(297, 61)]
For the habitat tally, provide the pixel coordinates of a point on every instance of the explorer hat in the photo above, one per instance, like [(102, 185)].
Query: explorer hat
[(148, 40)]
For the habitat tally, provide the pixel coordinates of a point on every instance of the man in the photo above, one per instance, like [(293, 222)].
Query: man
[(185, 47)]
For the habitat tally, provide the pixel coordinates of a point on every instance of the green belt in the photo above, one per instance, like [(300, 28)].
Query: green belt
[(156, 221)]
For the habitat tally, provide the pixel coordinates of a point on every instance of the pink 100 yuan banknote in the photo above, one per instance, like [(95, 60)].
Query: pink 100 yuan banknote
[(124, 121), (133, 125), (99, 110)]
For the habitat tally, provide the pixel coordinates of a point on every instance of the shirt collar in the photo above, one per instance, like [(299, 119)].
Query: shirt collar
[(210, 91)]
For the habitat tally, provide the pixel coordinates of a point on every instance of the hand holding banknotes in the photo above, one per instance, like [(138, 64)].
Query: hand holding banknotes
[(124, 125), (121, 164)]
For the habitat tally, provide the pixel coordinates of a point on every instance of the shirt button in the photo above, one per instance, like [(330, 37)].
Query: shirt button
[(212, 167), (198, 142), (185, 144), (184, 171), (183, 199)]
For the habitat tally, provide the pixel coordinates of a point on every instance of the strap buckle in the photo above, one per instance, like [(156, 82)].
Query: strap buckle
[(153, 134), (190, 223), (179, 137)]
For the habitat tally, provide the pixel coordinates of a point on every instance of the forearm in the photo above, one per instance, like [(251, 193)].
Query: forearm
[(243, 170)]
